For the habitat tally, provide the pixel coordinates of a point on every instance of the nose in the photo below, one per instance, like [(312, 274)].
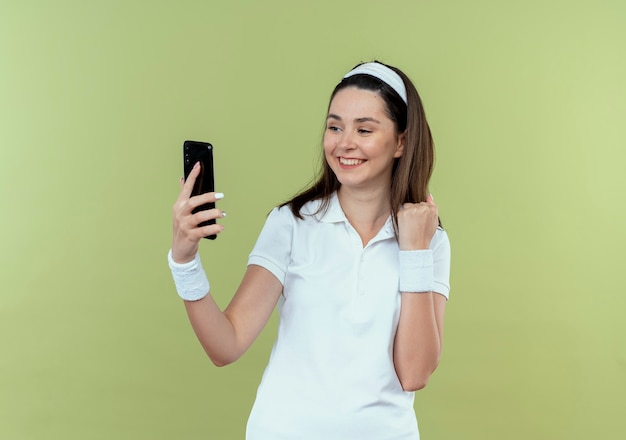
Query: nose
[(346, 141)]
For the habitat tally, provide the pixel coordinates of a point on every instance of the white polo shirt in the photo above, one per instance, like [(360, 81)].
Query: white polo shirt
[(331, 373)]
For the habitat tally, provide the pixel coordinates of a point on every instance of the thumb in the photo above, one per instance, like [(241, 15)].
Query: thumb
[(430, 199)]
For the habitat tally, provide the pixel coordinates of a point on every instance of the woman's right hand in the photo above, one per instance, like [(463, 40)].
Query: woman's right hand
[(187, 234)]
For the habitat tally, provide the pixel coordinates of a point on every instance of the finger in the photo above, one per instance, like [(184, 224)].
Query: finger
[(202, 199), (205, 231), (190, 181), (184, 206), (196, 233), (206, 215)]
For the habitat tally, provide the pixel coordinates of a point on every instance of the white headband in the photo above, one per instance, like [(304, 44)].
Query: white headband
[(383, 73)]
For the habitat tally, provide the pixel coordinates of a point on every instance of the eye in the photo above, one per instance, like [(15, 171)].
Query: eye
[(332, 128), (364, 131)]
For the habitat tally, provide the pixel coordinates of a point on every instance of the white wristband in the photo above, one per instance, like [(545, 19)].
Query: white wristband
[(190, 280), (416, 271)]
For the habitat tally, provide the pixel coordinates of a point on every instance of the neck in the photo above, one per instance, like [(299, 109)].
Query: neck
[(367, 211)]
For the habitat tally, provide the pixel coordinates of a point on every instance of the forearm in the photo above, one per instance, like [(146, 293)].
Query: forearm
[(417, 345), (214, 331), (226, 335)]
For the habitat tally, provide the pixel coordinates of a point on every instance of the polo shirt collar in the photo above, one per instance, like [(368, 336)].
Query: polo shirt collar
[(335, 214)]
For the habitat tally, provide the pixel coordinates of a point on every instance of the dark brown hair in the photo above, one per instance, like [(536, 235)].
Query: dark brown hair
[(411, 171)]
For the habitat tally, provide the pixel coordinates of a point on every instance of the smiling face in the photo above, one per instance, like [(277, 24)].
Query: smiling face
[(361, 142)]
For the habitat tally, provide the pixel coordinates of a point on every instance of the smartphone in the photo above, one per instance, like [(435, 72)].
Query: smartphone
[(200, 152)]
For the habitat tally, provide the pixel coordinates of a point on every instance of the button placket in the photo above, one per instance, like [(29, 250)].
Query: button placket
[(358, 300), (361, 274)]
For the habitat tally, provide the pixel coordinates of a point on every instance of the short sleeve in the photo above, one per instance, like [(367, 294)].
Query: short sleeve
[(440, 246), (273, 247)]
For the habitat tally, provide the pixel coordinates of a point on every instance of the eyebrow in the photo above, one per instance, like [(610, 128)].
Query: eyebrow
[(357, 120)]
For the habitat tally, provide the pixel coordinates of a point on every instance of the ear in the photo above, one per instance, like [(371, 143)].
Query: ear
[(400, 146)]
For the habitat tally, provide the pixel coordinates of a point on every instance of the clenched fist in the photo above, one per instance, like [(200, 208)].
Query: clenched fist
[(417, 223)]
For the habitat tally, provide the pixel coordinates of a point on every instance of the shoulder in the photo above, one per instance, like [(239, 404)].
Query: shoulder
[(440, 238), (280, 216), (283, 217), (440, 244)]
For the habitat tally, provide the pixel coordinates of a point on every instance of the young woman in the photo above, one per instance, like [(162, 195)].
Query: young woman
[(358, 265)]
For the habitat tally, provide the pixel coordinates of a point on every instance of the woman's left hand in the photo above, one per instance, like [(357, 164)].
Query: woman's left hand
[(417, 223)]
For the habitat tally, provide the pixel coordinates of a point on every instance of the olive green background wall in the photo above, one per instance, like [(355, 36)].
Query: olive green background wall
[(527, 101)]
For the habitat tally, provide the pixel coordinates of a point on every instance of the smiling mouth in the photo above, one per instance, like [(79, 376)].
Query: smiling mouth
[(350, 162)]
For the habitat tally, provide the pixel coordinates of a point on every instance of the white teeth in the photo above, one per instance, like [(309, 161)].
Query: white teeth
[(345, 161)]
